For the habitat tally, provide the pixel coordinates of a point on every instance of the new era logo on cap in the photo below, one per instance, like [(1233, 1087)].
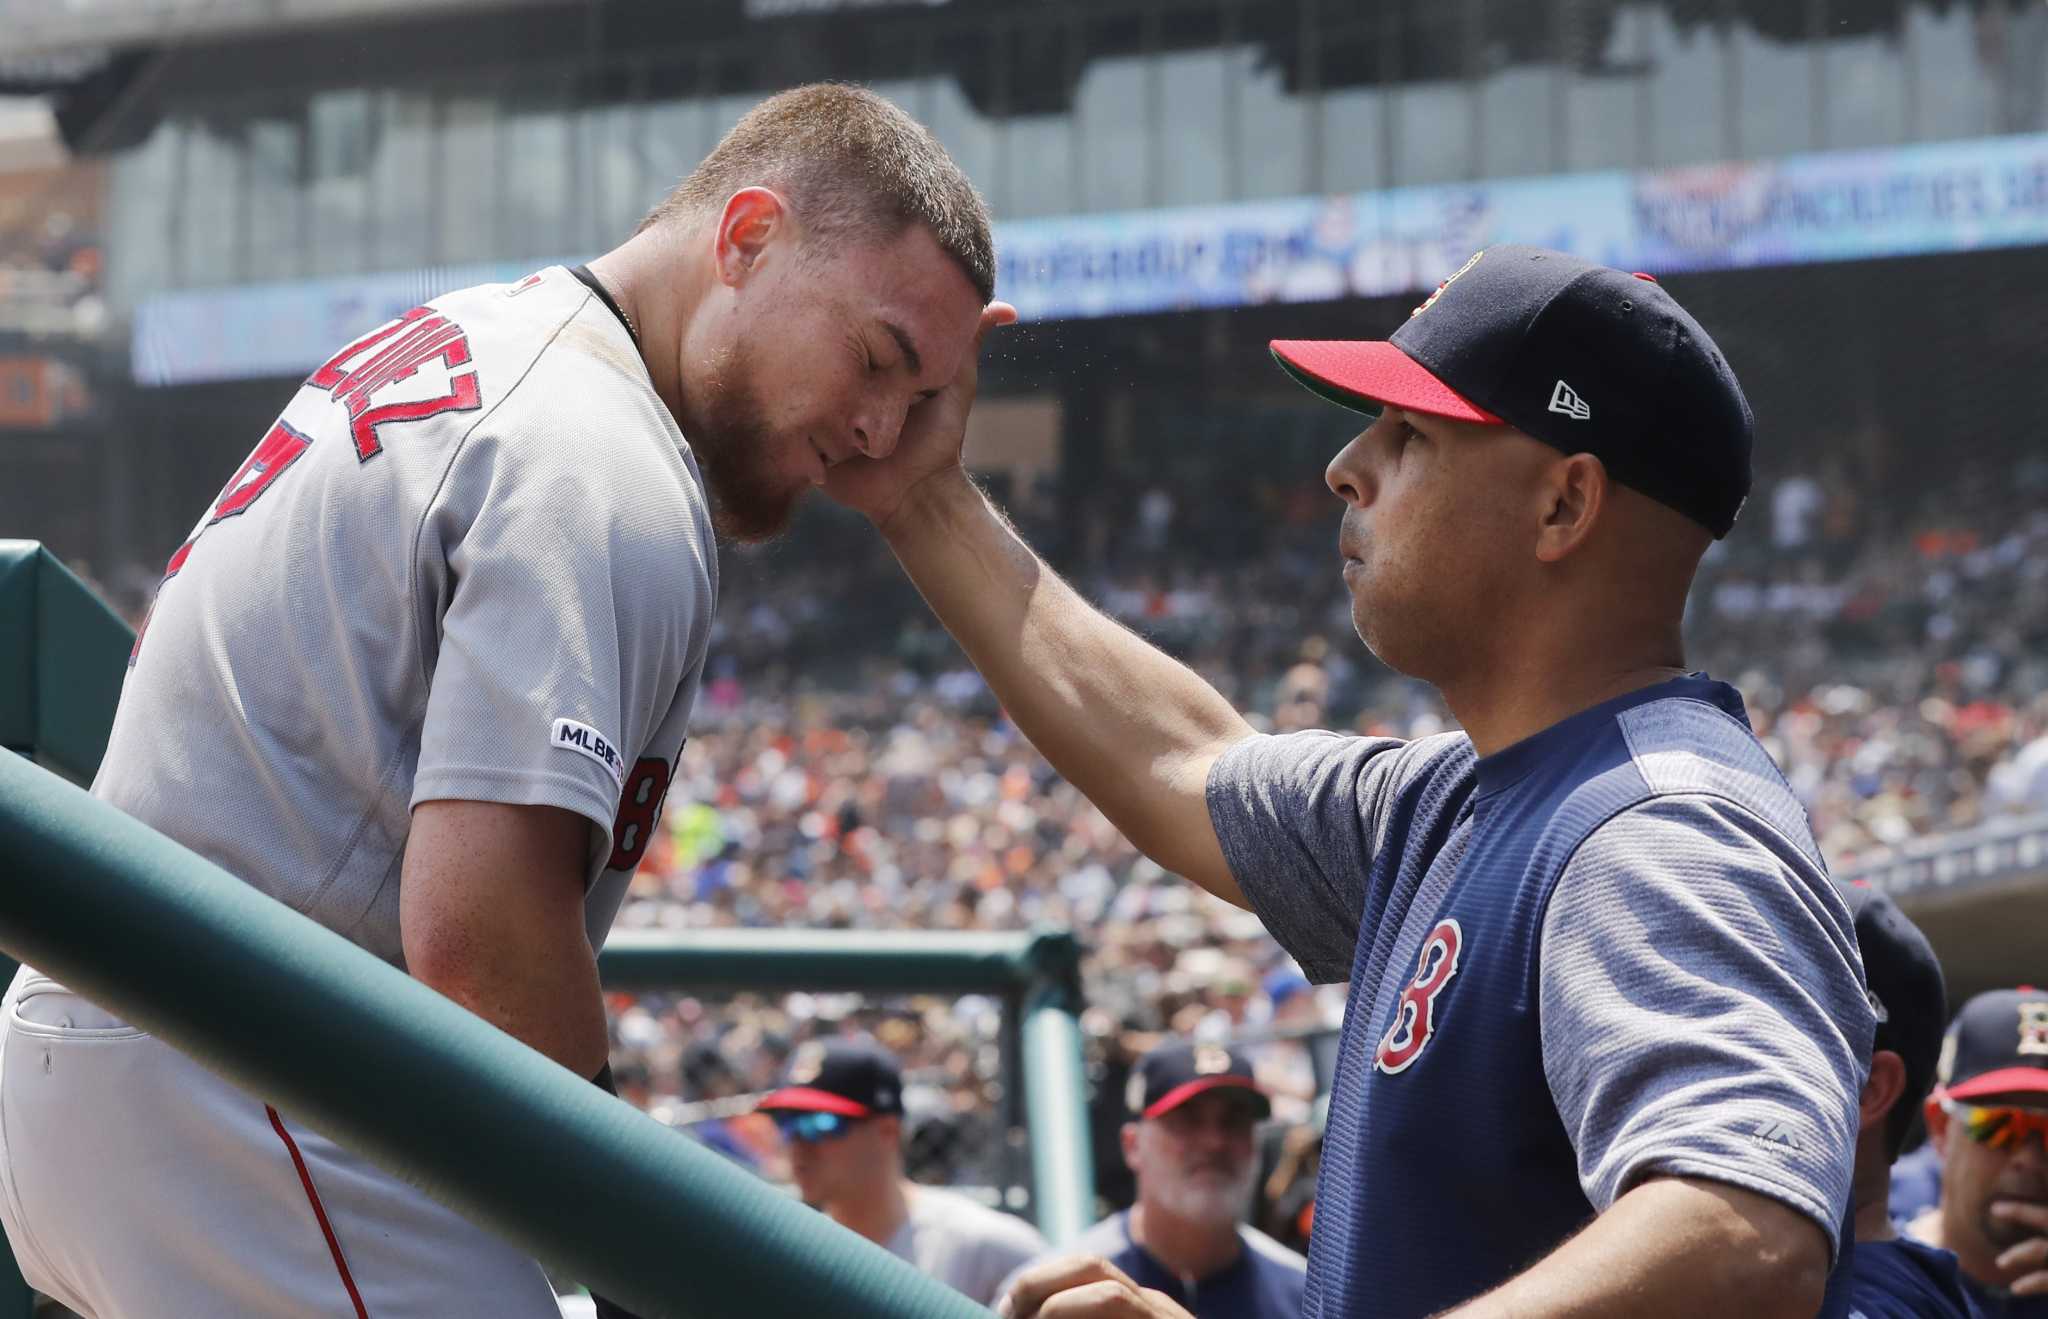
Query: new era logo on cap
[(1566, 401)]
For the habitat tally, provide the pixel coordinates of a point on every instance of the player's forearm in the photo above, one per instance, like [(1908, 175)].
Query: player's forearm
[(541, 991), (1127, 724), (490, 911), (1677, 1247)]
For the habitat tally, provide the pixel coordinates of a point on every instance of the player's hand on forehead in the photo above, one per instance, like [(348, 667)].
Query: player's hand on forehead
[(933, 433)]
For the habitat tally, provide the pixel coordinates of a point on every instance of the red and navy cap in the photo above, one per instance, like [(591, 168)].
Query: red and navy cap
[(1172, 1074), (1997, 1045), (853, 1078), (1582, 357)]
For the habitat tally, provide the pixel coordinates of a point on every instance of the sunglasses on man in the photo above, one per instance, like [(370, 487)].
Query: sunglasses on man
[(2000, 1126), (809, 1128)]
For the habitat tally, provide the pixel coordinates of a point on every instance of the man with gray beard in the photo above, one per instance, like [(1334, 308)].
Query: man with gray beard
[(1189, 1143)]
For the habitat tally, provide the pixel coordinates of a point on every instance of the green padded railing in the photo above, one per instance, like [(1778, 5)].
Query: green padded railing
[(63, 654)]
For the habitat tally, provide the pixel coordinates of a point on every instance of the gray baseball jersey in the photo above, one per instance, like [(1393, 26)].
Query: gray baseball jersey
[(472, 559), (964, 1244)]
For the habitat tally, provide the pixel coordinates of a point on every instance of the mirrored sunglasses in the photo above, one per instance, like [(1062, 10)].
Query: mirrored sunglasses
[(1999, 1126), (810, 1128)]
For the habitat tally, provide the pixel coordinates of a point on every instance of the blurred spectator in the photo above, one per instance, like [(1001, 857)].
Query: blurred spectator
[(1795, 505), (1287, 1192), (841, 1111), (1989, 1120), (1891, 1277), (1193, 1108)]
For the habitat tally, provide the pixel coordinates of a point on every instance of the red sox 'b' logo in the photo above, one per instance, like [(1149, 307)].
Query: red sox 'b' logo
[(1415, 1019)]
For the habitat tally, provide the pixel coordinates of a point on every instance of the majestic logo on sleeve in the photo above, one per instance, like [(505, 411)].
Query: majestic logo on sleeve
[(1415, 1020), (379, 379)]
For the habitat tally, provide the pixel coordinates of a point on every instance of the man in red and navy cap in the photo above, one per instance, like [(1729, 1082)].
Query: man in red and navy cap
[(840, 1112), (1606, 1028), (1988, 1117), (1189, 1143)]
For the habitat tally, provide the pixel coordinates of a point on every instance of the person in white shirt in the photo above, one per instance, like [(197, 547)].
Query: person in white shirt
[(841, 1113)]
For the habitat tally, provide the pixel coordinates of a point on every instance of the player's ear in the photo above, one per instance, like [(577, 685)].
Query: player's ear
[(1884, 1087), (1570, 491), (1127, 1136), (753, 222)]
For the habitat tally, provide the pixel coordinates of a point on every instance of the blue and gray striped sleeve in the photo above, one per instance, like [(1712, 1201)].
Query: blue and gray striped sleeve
[(1702, 1010)]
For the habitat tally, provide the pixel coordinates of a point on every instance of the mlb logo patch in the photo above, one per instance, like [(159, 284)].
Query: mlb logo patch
[(587, 742), (524, 284)]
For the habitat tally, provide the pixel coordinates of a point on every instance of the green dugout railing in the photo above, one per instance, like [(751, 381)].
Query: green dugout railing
[(381, 1063), (63, 654)]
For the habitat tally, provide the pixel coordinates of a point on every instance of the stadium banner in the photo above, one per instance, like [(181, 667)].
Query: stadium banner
[(1832, 206), (251, 331)]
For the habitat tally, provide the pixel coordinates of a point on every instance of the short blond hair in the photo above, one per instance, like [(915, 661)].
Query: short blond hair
[(853, 166)]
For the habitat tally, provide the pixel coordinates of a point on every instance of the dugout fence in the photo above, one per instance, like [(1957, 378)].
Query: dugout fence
[(375, 1059)]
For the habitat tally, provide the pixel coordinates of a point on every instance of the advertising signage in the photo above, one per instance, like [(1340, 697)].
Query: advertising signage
[(1837, 206)]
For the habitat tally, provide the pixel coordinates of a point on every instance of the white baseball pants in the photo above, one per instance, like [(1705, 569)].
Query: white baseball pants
[(136, 1184)]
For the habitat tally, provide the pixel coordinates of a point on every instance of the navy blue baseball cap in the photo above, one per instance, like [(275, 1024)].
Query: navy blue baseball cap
[(853, 1078), (1998, 1044), (1907, 992), (1174, 1073), (1585, 358)]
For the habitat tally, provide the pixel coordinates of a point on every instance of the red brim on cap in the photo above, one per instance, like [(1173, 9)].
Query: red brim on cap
[(2004, 1081), (1369, 374), (806, 1100), (1180, 1094)]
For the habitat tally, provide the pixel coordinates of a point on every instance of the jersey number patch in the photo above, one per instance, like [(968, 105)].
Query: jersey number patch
[(1415, 1018), (639, 809)]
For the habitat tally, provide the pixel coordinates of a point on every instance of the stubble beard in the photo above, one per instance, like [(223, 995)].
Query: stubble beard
[(729, 432)]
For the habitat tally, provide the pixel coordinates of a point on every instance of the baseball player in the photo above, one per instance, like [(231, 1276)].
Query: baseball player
[(1193, 1108), (1988, 1117), (1891, 1276), (840, 1112), (1606, 1027), (423, 670)]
